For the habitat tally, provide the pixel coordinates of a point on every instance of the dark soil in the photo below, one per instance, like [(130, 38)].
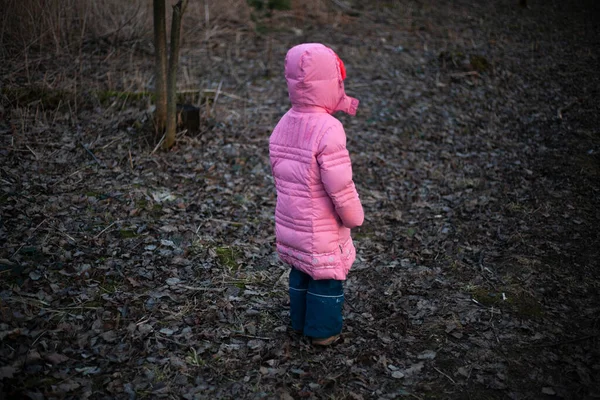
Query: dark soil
[(132, 273)]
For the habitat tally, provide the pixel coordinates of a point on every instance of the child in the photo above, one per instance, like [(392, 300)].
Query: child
[(317, 203)]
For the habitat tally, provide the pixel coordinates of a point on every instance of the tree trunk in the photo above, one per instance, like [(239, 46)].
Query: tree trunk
[(160, 54), (178, 10)]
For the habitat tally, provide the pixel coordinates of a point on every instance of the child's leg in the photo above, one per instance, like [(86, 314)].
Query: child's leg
[(324, 301), (298, 288)]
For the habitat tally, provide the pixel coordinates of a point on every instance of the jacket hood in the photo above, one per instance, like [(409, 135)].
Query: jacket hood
[(315, 78)]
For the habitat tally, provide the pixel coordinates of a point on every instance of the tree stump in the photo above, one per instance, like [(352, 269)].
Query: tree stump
[(188, 117)]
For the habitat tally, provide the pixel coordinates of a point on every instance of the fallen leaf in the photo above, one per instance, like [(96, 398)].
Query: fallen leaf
[(256, 344), (173, 281), (34, 275), (397, 375), (414, 369), (68, 386), (356, 396), (169, 228), (7, 372), (548, 390), (167, 331), (133, 282), (427, 355), (56, 358), (92, 370), (145, 329), (109, 336), (283, 395), (167, 243)]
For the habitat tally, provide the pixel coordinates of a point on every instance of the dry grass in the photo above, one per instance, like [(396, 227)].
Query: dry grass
[(51, 42), (64, 56), (63, 25)]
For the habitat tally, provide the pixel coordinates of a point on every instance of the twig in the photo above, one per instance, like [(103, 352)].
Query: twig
[(181, 134), (464, 74), (105, 229), (66, 312), (560, 111), (490, 309), (29, 238), (32, 302), (478, 303), (251, 337), (212, 111), (37, 338), (32, 152), (159, 337), (446, 375), (91, 154), (158, 145), (130, 159), (482, 268), (224, 221), (114, 141), (200, 289), (66, 177), (67, 235), (281, 278)]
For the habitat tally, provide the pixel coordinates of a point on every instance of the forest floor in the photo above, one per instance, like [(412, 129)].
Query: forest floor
[(131, 272)]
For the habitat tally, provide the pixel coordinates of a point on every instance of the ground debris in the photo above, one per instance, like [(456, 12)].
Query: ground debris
[(130, 273)]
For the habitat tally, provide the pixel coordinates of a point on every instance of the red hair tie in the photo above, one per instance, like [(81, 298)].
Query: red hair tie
[(342, 67)]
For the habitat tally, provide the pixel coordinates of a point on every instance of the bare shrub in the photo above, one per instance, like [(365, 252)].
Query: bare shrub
[(61, 25)]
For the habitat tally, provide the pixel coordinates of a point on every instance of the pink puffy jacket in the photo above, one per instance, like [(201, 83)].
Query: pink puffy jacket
[(317, 203)]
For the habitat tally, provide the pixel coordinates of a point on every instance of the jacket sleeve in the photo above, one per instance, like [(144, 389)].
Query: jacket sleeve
[(336, 175)]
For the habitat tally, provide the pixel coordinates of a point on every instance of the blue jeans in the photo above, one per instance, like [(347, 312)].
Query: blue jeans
[(316, 305)]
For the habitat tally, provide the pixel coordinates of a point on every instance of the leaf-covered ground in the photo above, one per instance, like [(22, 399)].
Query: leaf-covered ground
[(132, 273)]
